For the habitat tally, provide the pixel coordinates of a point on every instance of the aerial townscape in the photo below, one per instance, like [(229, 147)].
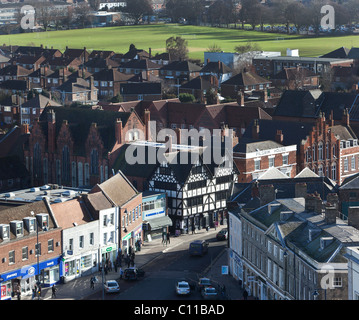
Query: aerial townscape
[(179, 150)]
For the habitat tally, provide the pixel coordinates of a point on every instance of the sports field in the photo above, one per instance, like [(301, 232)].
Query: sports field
[(199, 39)]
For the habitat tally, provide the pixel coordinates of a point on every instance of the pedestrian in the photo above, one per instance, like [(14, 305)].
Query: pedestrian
[(193, 229), (92, 283), (18, 294), (121, 273), (53, 289), (168, 237), (245, 294), (115, 265), (33, 293)]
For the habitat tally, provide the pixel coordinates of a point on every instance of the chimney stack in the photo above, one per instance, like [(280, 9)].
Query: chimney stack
[(118, 131), (353, 217), (240, 98), (255, 130), (345, 118), (266, 194), (330, 215), (313, 202), (279, 136)]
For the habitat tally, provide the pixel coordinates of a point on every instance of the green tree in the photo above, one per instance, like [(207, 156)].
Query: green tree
[(186, 97), (177, 48), (138, 8)]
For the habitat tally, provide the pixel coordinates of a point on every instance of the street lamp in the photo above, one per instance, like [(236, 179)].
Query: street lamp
[(316, 294)]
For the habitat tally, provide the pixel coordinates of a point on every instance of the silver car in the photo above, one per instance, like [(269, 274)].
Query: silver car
[(111, 286), (183, 288)]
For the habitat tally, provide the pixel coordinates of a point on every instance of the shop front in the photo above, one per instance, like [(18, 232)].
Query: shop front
[(24, 279), (78, 266), (236, 265), (109, 253), (125, 243)]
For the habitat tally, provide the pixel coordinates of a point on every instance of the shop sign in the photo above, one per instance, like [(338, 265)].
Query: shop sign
[(109, 249)]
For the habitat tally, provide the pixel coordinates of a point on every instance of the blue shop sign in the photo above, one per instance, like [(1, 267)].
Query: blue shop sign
[(31, 270)]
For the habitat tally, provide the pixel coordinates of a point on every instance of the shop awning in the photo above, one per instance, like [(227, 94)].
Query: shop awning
[(160, 222)]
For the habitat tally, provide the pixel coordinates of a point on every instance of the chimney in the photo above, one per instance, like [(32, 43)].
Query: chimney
[(51, 123), (255, 130), (150, 52), (313, 202), (64, 77), (331, 118), (147, 119), (279, 136), (330, 215), (345, 118), (178, 134), (353, 217), (266, 194), (25, 128), (118, 131), (300, 190), (265, 95), (240, 98)]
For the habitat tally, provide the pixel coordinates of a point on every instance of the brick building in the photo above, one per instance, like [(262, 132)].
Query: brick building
[(254, 158), (76, 146)]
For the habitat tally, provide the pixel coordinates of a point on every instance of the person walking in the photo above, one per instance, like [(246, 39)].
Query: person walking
[(53, 289), (245, 294), (92, 283)]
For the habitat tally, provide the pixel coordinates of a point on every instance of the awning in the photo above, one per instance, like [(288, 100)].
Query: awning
[(160, 222)]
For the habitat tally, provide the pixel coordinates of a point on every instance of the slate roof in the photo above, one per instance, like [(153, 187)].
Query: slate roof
[(351, 182), (217, 67), (131, 54), (353, 53), (74, 85), (28, 50), (293, 132), (80, 121), (110, 74), (101, 54), (148, 88), (142, 64), (182, 66), (101, 63), (40, 101), (19, 85), (23, 211), (14, 70), (310, 103), (245, 78), (253, 146), (341, 52), (199, 83)]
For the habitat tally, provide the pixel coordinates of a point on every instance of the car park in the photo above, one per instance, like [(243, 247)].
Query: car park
[(183, 288), (111, 286), (222, 235), (209, 293)]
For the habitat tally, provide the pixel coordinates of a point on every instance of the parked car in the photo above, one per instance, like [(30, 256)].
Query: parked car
[(222, 235), (183, 288), (111, 286), (209, 293), (203, 283), (133, 273)]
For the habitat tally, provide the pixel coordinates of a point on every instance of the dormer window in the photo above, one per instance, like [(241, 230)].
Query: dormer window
[(17, 228), (43, 220), (4, 231), (30, 224)]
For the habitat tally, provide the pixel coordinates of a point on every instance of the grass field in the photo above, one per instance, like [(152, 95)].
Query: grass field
[(199, 39)]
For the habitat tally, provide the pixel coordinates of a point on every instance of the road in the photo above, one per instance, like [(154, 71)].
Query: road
[(163, 272)]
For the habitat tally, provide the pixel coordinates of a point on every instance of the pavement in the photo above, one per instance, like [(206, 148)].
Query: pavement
[(79, 289)]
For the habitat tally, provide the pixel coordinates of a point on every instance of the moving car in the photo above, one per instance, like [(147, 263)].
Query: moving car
[(133, 273), (183, 288), (198, 247), (209, 293), (222, 235), (203, 283), (111, 286)]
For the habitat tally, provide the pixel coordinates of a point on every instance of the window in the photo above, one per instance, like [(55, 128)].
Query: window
[(81, 241), (346, 167), (91, 238), (50, 245), (37, 161), (320, 151), (25, 253), (94, 161), (71, 244), (334, 150), (271, 162), (257, 164), (352, 162), (313, 153), (337, 282), (285, 159), (327, 151), (105, 238), (38, 249), (12, 257), (334, 171)]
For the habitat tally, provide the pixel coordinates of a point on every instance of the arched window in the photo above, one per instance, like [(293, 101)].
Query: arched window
[(327, 150), (320, 171), (94, 161), (320, 151), (314, 153), (334, 171), (37, 161), (65, 164), (334, 151)]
